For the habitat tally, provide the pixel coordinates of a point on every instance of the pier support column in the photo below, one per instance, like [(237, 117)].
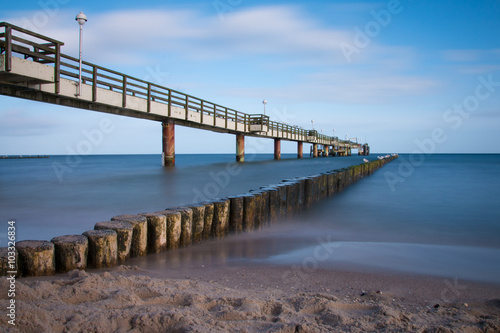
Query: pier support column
[(168, 140), (315, 150), (277, 149), (326, 149), (240, 148), (300, 149)]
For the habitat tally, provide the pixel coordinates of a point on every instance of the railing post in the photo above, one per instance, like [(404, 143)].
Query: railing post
[(124, 92), (187, 107), (225, 116), (57, 68), (169, 102), (94, 84), (149, 97), (215, 114), (8, 49), (201, 115)]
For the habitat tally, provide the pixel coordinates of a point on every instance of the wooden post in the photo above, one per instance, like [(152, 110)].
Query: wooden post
[(168, 140), (94, 84), (57, 68), (315, 150), (124, 93), (300, 149), (149, 96), (8, 49), (240, 148)]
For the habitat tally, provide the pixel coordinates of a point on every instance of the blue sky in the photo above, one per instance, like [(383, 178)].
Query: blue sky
[(407, 76)]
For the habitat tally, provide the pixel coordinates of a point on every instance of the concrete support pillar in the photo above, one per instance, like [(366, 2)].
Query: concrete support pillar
[(300, 149), (277, 149), (315, 150), (240, 148), (168, 140)]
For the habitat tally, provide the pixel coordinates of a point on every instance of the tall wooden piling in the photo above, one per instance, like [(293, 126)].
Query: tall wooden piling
[(300, 149)]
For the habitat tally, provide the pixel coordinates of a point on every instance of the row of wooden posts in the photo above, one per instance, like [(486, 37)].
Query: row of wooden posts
[(112, 242)]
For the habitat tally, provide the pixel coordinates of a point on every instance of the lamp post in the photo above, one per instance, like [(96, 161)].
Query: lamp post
[(81, 19), (264, 102), (312, 122)]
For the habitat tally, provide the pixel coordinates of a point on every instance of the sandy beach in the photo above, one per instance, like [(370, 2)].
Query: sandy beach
[(250, 298)]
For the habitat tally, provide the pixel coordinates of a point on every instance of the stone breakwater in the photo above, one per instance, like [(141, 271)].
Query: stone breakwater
[(112, 242)]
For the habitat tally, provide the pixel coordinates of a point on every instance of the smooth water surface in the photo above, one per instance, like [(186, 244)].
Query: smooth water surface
[(439, 216)]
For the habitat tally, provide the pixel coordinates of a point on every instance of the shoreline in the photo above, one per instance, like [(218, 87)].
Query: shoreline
[(253, 298)]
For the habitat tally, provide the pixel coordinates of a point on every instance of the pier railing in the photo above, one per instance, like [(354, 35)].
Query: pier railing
[(42, 49)]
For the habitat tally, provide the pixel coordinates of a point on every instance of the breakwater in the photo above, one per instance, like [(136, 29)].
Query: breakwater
[(21, 157), (113, 242)]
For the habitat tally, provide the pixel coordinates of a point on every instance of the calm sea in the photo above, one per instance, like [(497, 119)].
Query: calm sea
[(429, 214)]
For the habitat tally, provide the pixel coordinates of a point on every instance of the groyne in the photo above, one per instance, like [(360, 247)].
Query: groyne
[(22, 157), (112, 242)]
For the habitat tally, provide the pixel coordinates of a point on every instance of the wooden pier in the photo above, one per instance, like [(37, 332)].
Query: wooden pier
[(33, 67)]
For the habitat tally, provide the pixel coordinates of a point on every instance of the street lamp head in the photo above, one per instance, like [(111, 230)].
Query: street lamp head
[(264, 102), (81, 18)]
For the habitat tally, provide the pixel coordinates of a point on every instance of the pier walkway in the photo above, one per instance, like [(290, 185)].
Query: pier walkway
[(33, 67)]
